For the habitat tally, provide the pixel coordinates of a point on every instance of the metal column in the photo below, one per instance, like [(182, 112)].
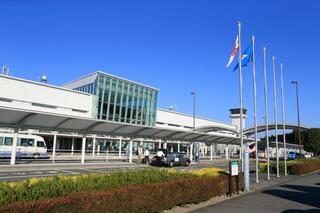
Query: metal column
[(54, 147), (130, 151), (93, 146), (120, 145), (83, 151), (14, 148)]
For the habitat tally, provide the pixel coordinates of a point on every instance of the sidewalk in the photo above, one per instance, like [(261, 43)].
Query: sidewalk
[(254, 187)]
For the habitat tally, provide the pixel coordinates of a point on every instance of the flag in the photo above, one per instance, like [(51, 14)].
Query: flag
[(234, 51), (246, 58)]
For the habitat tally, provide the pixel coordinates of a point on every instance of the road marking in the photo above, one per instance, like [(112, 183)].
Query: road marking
[(70, 172), (91, 170)]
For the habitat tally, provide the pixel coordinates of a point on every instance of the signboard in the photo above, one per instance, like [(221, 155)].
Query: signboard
[(234, 168)]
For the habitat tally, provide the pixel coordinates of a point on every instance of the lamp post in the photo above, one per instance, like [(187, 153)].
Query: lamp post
[(194, 121), (298, 114), (194, 110)]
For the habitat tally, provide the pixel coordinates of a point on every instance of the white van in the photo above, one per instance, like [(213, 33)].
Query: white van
[(28, 146)]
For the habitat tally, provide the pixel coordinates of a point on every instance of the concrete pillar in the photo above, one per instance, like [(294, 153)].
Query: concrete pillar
[(54, 147), (120, 145), (165, 145), (171, 147), (227, 152), (72, 146), (211, 152), (178, 146), (83, 151), (130, 151), (159, 145), (94, 145), (191, 151), (98, 149), (14, 148)]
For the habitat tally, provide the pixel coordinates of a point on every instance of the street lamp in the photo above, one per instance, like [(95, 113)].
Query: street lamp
[(298, 114), (194, 110)]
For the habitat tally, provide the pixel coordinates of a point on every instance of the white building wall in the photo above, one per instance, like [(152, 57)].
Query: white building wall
[(172, 119), (29, 95)]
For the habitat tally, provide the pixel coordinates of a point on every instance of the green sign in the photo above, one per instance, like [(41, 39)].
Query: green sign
[(234, 168)]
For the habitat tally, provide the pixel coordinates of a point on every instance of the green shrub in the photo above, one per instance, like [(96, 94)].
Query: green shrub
[(151, 197), (58, 186), (295, 167)]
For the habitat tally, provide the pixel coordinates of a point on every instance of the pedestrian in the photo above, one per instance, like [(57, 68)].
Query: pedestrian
[(159, 155), (146, 155)]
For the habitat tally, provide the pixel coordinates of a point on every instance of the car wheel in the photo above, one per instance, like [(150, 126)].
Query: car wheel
[(36, 156), (187, 163), (171, 164)]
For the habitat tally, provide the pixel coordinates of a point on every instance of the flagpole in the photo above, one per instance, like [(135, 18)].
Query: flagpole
[(275, 112), (283, 122), (240, 85), (255, 108), (266, 110)]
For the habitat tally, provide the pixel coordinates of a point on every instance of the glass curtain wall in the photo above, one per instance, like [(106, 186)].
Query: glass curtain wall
[(123, 101)]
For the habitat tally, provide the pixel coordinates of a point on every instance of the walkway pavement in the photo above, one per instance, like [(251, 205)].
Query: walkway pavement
[(297, 194)]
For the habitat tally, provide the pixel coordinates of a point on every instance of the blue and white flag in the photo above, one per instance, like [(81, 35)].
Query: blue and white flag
[(247, 57)]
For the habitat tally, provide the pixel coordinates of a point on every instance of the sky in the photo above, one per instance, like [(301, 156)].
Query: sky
[(177, 46)]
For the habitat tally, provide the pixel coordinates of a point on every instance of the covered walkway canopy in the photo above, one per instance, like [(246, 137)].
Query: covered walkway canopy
[(19, 119), (261, 128)]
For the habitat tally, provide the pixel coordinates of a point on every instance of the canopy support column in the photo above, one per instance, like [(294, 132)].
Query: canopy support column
[(72, 146), (178, 146), (227, 152), (14, 148), (120, 145), (211, 152), (130, 150), (191, 151), (93, 146), (83, 152), (54, 147)]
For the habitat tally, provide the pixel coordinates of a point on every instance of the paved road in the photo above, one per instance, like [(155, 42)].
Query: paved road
[(22, 172), (302, 194)]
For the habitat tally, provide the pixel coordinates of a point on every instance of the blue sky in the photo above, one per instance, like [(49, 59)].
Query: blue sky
[(178, 46)]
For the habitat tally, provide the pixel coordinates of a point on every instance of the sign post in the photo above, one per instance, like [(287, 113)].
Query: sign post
[(233, 172)]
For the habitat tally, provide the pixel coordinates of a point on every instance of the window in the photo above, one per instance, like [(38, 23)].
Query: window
[(8, 141), (41, 144), (26, 142), (1, 141)]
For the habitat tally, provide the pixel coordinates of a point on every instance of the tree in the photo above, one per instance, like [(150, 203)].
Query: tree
[(311, 141)]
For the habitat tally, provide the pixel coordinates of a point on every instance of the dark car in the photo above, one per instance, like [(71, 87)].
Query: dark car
[(172, 159)]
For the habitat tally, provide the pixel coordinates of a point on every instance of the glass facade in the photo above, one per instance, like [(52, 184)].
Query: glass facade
[(122, 101)]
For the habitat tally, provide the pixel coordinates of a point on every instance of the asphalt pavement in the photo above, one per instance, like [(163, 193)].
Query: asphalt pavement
[(26, 171), (297, 195)]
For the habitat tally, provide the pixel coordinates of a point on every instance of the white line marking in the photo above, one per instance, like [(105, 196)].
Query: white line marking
[(91, 170), (66, 171)]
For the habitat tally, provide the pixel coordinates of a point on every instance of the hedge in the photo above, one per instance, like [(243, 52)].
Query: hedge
[(295, 167), (152, 197), (57, 186)]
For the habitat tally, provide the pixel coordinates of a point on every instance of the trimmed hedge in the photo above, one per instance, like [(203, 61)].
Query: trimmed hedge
[(304, 167), (58, 186), (152, 197), (295, 167)]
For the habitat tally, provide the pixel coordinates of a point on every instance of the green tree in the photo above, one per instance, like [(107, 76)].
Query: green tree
[(311, 141)]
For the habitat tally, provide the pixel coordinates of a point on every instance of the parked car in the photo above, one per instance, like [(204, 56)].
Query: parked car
[(296, 155), (172, 159), (292, 155)]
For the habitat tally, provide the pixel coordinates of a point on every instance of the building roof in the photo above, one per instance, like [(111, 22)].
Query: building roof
[(90, 78)]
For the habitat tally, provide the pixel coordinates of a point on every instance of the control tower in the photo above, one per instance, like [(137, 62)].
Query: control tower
[(235, 117)]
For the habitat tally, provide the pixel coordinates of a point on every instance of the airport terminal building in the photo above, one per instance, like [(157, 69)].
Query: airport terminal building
[(108, 99)]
